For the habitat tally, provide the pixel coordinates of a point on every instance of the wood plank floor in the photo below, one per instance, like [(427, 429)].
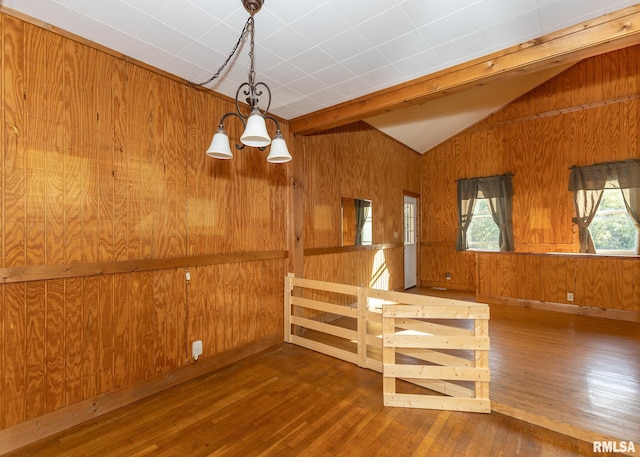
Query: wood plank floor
[(294, 402), (574, 372)]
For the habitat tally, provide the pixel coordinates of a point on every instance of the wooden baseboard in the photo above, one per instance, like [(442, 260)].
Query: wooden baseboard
[(617, 314), (29, 432), (449, 285)]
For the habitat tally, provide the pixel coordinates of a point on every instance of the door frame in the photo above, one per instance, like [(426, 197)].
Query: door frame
[(408, 193)]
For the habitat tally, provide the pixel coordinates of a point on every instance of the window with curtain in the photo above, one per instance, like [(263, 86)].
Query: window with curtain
[(597, 190), (494, 191)]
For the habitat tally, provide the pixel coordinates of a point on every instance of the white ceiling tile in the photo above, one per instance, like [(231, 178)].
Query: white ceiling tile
[(344, 45), (163, 37), (450, 27), (77, 5), (383, 77), (353, 87), (307, 84), (423, 12), (334, 74), (289, 12), (285, 73), (614, 5), (462, 49), (55, 13), (319, 25), (513, 31), (101, 33), (561, 13), (367, 61), (202, 56), (128, 19), (288, 42), (312, 60), (357, 11), (146, 52), (326, 97), (150, 7), (491, 12), (222, 38), (420, 64), (217, 9), (404, 46), (188, 70), (185, 16), (385, 26)]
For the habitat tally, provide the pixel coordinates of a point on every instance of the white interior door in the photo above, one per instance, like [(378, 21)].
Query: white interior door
[(410, 239)]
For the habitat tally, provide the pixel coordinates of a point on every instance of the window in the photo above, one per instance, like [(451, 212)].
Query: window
[(483, 234), (601, 194), (612, 229), (409, 223), (484, 213)]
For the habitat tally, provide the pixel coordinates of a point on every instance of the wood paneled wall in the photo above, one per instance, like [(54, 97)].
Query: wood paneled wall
[(587, 114), (356, 161), (106, 199)]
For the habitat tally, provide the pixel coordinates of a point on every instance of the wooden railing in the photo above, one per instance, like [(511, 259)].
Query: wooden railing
[(441, 345)]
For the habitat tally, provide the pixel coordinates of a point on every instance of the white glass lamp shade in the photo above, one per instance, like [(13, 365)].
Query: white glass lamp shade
[(279, 152), (219, 148), (255, 134)]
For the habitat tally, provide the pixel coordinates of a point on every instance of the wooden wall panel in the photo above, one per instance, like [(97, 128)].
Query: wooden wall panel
[(376, 268), (356, 161), (607, 283), (107, 198), (585, 115)]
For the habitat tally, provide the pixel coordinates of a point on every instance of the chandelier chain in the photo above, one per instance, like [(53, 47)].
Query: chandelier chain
[(248, 25)]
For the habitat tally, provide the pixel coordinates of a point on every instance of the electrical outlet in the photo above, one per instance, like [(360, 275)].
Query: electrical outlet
[(196, 349), (569, 296)]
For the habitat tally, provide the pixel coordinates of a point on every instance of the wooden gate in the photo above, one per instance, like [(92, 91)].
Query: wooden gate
[(441, 345)]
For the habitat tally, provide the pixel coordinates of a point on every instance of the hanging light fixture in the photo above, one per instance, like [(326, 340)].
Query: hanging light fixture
[(255, 129)]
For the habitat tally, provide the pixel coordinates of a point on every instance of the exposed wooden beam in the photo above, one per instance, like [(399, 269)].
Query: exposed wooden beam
[(607, 33)]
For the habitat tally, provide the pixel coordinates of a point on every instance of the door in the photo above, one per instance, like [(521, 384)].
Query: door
[(410, 248)]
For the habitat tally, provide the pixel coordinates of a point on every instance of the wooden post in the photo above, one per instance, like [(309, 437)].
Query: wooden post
[(481, 329), (288, 287), (388, 356), (362, 327)]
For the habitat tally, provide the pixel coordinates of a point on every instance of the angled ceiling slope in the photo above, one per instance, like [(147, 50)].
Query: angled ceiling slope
[(423, 127)]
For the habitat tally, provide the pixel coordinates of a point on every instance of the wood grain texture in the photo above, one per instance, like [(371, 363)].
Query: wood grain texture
[(356, 161), (262, 407), (106, 201), (585, 115)]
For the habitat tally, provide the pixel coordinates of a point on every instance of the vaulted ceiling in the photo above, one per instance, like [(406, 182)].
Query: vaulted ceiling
[(418, 70)]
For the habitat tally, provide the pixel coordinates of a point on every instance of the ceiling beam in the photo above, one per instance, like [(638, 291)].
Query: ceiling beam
[(603, 34)]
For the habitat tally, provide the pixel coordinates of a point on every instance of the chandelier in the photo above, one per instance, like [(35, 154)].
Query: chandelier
[(254, 122)]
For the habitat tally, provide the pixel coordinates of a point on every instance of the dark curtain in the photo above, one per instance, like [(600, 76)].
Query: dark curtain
[(467, 191), (499, 191), (588, 183), (500, 207), (362, 212)]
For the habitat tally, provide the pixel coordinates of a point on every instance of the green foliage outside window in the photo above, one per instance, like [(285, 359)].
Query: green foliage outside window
[(483, 233), (612, 228)]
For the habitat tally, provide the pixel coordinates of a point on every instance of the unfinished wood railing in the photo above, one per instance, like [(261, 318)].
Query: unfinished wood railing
[(439, 344)]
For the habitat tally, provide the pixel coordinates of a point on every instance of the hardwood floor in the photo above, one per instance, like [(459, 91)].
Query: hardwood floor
[(571, 369), (576, 374), (294, 402)]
